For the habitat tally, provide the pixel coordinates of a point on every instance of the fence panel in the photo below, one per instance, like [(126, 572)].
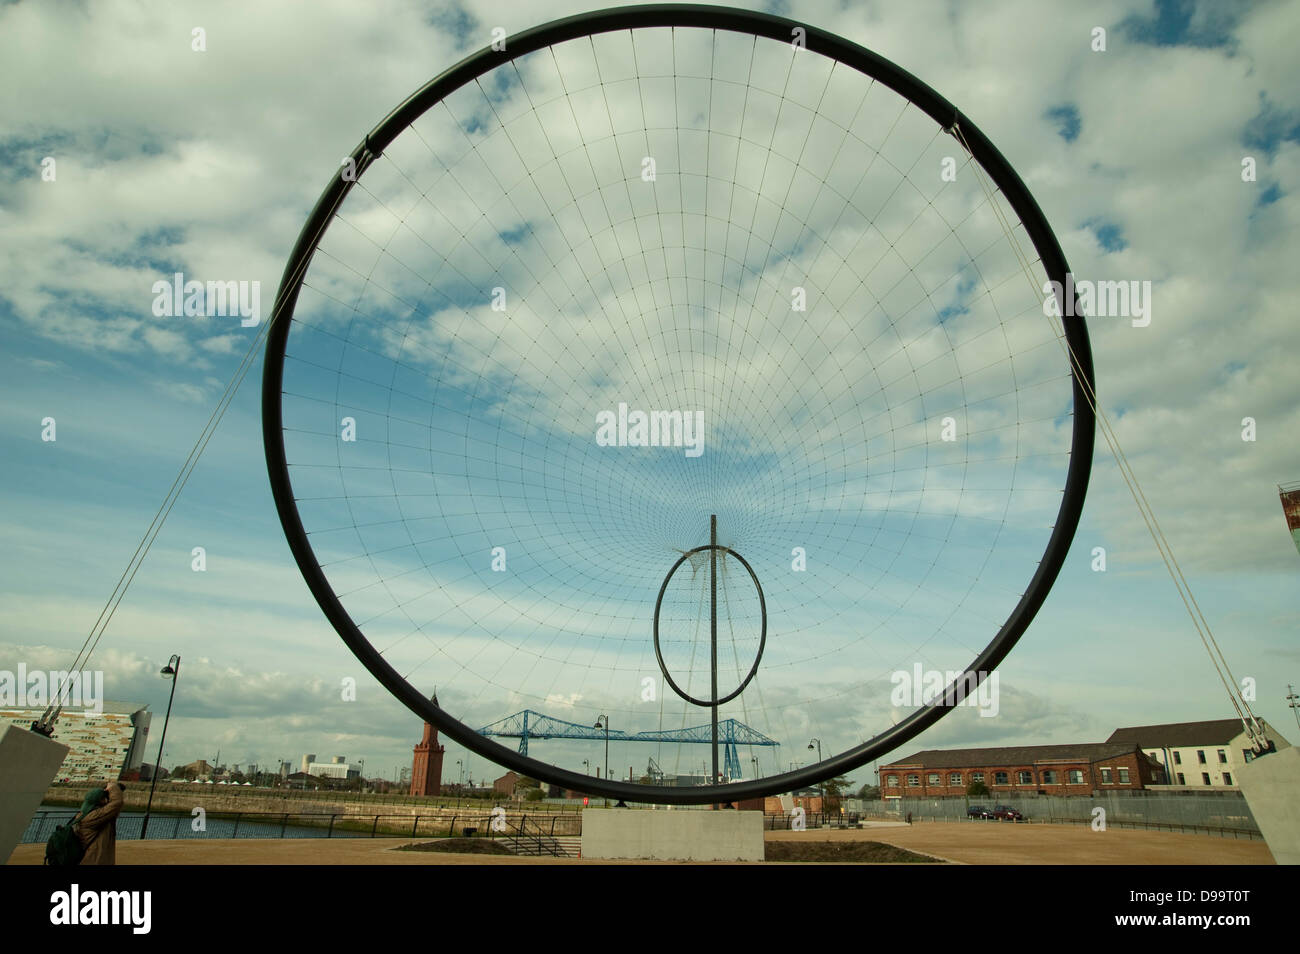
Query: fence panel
[(1224, 813)]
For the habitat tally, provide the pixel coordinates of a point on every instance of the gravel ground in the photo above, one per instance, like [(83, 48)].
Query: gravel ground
[(960, 842)]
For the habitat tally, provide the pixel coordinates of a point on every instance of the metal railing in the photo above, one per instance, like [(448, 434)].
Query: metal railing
[(784, 821), (1222, 831), (164, 826), (76, 791), (540, 840)]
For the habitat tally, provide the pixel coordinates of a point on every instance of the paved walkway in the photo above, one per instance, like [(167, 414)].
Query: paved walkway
[(962, 842), (296, 851), (1002, 843)]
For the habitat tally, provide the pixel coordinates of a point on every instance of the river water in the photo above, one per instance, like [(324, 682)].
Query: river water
[(171, 826)]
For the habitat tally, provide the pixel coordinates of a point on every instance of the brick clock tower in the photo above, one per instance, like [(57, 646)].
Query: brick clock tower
[(426, 768)]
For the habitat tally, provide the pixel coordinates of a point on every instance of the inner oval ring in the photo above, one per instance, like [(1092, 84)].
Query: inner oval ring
[(762, 638)]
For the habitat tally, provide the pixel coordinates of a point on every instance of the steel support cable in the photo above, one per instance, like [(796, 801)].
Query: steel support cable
[(1199, 622), (51, 714)]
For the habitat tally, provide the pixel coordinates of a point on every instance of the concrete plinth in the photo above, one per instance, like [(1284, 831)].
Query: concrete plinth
[(28, 764), (1271, 784), (727, 835)]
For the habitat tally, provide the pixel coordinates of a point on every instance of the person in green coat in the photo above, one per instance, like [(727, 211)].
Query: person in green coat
[(97, 827)]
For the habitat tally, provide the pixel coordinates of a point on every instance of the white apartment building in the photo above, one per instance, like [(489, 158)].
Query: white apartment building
[(1197, 755), (103, 745), (337, 767)]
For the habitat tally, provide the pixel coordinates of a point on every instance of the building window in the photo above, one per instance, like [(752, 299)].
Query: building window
[(932, 778), (999, 778), (1076, 776), (1227, 778), (913, 781), (1178, 757), (1025, 778), (1247, 754), (1181, 780), (1123, 776), (1200, 756), (1223, 757), (977, 776), (954, 778), (1105, 776), (1049, 777), (891, 781), (1205, 777)]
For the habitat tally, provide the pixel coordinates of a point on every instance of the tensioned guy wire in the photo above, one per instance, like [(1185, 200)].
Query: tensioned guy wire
[(50, 716), (1199, 622)]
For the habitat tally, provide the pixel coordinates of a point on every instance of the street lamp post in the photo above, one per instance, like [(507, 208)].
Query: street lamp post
[(818, 743), (172, 670), (603, 723)]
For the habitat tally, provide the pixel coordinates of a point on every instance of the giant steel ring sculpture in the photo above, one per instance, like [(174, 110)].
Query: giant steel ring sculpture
[(677, 282)]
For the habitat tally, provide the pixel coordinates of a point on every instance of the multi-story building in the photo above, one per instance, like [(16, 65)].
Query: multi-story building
[(506, 784), (1197, 754), (1078, 769), (103, 745), (337, 767), (199, 769)]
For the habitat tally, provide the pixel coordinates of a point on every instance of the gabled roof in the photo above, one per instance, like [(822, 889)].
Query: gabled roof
[(1176, 735), (1015, 755)]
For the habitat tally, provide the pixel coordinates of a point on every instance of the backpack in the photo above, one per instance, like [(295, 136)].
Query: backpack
[(64, 849)]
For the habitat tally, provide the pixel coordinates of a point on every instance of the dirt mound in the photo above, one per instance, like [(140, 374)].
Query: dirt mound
[(861, 851), (461, 846)]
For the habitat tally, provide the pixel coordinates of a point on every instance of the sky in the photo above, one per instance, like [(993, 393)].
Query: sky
[(173, 159)]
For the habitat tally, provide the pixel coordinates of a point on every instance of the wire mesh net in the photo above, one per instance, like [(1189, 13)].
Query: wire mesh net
[(628, 282)]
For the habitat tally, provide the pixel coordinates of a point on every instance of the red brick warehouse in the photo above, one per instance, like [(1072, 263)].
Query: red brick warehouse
[(1079, 769)]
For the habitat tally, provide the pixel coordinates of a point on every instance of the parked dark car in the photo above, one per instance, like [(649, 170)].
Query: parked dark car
[(979, 811), (1003, 813)]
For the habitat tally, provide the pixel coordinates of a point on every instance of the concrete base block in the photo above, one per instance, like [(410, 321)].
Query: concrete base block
[(698, 835), (28, 764), (1271, 785)]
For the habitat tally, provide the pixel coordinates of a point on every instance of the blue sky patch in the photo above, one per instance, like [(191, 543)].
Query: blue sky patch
[(1185, 23), (1067, 121), (1270, 127), (1110, 236), (513, 236), (456, 20)]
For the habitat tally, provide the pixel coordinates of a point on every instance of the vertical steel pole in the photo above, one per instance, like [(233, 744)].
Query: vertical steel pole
[(153, 782), (713, 635)]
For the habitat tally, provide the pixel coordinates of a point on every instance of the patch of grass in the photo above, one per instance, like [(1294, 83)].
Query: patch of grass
[(461, 846), (871, 852)]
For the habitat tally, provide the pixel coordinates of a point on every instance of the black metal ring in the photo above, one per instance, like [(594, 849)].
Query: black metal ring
[(762, 639), (751, 23)]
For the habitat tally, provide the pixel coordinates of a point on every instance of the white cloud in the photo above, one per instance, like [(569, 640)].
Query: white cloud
[(209, 162)]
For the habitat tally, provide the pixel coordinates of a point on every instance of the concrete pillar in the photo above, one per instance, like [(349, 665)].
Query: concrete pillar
[(1271, 784), (29, 762), (678, 836)]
